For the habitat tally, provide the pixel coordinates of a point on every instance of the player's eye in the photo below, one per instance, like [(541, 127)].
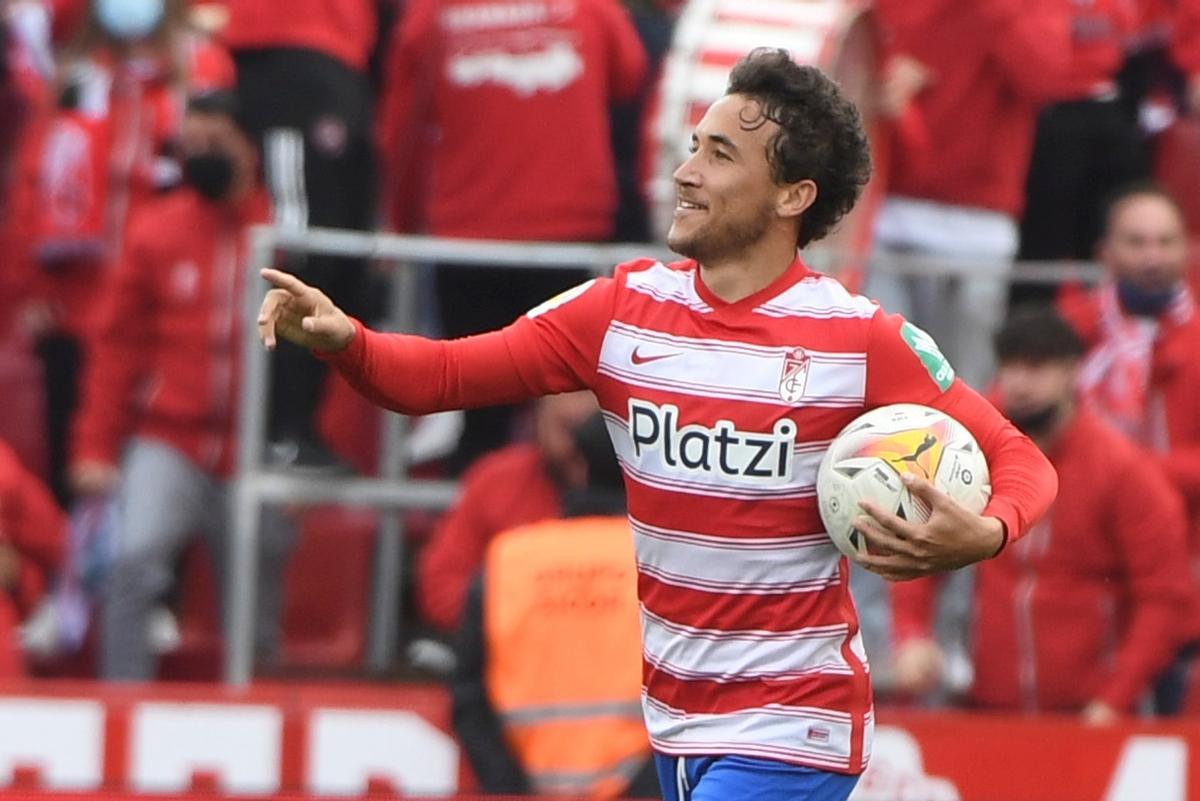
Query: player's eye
[(723, 156)]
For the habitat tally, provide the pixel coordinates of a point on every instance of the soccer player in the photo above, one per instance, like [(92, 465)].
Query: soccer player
[(723, 378)]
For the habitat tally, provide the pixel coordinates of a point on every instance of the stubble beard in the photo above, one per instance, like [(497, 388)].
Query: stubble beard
[(717, 242)]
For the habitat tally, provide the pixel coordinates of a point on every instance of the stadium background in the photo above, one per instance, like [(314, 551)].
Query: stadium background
[(354, 703)]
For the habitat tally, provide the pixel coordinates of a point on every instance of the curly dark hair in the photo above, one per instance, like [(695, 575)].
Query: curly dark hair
[(820, 137)]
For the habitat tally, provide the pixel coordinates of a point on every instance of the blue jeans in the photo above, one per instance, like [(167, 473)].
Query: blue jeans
[(737, 778)]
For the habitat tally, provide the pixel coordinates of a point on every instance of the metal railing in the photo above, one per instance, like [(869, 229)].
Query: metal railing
[(257, 484)]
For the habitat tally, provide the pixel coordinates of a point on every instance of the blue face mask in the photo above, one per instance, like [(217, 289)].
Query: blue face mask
[(129, 20), (1143, 302)]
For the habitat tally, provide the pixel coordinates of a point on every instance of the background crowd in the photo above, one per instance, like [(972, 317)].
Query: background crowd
[(139, 139)]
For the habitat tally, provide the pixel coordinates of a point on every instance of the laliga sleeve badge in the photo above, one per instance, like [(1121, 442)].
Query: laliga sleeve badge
[(794, 378)]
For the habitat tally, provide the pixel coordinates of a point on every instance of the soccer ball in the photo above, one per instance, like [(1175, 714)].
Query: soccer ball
[(867, 458)]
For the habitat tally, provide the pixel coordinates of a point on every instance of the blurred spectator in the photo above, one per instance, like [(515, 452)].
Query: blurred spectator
[(26, 67), (305, 93), (32, 542), (521, 483), (496, 126), (103, 149), (1081, 615), (161, 389), (1185, 48), (964, 83), (1086, 146), (547, 695), (1143, 334)]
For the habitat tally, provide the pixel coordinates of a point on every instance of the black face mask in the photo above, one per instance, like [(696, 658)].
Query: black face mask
[(1142, 302), (210, 174), (1037, 421)]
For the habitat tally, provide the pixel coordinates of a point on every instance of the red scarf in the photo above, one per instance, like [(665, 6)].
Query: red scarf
[(1115, 377)]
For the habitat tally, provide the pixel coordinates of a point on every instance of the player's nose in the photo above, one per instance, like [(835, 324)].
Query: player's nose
[(687, 174)]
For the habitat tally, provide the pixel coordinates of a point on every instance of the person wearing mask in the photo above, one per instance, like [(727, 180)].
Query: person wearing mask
[(1084, 614), (1142, 333), (520, 483), (158, 414), (90, 161), (497, 126), (548, 687), (304, 87), (963, 84)]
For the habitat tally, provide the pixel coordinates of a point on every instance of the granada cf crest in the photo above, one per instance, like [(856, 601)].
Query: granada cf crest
[(795, 375)]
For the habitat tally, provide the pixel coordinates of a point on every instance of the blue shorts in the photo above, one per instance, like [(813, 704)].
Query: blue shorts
[(737, 778)]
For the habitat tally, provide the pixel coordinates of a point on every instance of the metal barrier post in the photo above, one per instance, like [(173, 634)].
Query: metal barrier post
[(241, 596), (384, 633)]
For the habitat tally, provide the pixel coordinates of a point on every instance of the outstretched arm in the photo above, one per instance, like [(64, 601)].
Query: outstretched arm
[(549, 350)]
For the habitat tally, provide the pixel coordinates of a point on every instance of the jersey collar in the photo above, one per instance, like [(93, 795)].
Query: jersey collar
[(796, 271)]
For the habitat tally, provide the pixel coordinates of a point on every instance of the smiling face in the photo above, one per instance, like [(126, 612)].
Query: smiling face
[(726, 198)]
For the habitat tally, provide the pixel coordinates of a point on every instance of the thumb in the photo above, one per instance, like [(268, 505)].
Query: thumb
[(322, 324)]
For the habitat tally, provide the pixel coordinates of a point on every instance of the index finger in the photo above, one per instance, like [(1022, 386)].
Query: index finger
[(925, 491), (285, 281), (880, 540), (895, 524)]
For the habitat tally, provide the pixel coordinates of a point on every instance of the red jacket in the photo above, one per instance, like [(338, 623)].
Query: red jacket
[(1100, 32), (164, 362), (1086, 607), (503, 490), (1185, 36), (1174, 388), (967, 138), (505, 117), (344, 29), (32, 523)]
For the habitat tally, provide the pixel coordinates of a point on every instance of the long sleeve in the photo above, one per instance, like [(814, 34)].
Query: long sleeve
[(118, 359), (904, 365), (554, 348), (1159, 587), (475, 722)]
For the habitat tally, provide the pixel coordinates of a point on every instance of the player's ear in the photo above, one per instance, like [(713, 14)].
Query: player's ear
[(795, 198)]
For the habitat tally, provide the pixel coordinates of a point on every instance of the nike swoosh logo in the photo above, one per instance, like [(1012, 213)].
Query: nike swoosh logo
[(638, 358)]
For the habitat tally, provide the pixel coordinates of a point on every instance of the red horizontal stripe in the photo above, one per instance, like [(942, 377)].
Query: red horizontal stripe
[(723, 517), (731, 612), (836, 693)]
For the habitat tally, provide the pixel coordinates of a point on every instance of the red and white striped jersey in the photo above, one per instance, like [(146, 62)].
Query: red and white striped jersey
[(720, 414)]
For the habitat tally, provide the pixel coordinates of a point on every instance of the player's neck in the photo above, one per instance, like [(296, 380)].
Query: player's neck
[(749, 271)]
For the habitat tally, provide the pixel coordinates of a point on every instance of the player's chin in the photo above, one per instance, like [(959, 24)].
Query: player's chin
[(682, 241)]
